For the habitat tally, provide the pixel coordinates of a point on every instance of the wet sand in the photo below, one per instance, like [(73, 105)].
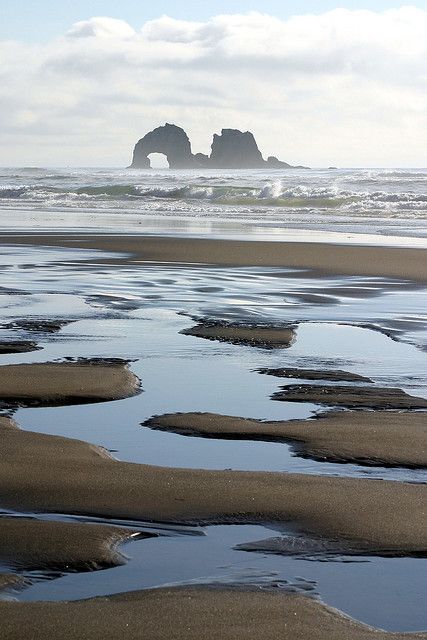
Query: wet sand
[(335, 375), (350, 396), (29, 544), (69, 476), (37, 325), (393, 438), (350, 259), (15, 346), (10, 581), (305, 547), (57, 383), (254, 336), (190, 613), (53, 474)]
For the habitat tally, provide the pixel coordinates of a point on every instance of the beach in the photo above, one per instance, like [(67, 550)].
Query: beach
[(230, 421), (402, 263)]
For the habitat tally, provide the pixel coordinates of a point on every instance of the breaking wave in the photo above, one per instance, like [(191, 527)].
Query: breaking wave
[(368, 201), (273, 194)]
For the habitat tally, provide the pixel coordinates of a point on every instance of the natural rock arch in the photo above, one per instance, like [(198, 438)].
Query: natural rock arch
[(158, 161), (232, 149), (170, 140)]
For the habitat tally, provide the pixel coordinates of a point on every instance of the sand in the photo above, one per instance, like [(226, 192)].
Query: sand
[(30, 544), (37, 325), (391, 438), (69, 476), (253, 336), (187, 613), (305, 547), (349, 259), (54, 474), (62, 383), (350, 396), (11, 581), (15, 346), (335, 375)]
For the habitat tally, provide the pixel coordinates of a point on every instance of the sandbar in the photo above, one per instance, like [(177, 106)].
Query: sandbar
[(334, 375), (350, 396), (322, 257), (37, 325), (392, 438), (15, 346), (187, 613), (62, 383), (29, 544), (69, 476), (253, 336)]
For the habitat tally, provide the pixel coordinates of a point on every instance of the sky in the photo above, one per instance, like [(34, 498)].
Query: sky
[(319, 82)]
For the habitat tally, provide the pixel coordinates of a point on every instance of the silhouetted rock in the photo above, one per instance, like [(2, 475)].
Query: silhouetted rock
[(170, 140), (202, 160), (232, 149), (274, 163), (235, 149)]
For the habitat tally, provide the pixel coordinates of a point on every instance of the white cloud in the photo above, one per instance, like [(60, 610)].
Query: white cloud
[(344, 87), (101, 27)]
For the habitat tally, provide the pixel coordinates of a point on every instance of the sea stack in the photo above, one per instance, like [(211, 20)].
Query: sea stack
[(170, 140), (232, 149)]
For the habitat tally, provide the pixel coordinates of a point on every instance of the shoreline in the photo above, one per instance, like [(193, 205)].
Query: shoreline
[(74, 476), (189, 613), (387, 438), (320, 257)]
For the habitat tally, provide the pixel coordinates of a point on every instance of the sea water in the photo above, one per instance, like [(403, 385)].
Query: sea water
[(368, 201)]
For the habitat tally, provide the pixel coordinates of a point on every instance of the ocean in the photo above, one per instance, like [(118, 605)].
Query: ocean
[(386, 202)]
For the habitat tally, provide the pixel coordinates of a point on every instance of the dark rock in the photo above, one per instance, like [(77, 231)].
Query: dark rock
[(274, 163), (235, 149), (170, 140), (232, 149), (202, 160)]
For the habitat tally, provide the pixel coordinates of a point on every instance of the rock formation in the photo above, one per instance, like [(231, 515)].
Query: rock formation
[(170, 140), (233, 149)]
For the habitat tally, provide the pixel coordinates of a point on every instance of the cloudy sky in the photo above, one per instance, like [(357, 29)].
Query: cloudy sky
[(318, 82)]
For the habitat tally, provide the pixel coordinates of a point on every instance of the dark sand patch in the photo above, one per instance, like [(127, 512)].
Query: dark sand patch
[(313, 298), (62, 383), (187, 613), (29, 544), (37, 325), (11, 582), (15, 346), (254, 336), (370, 438), (335, 375), (69, 476), (9, 291), (321, 257), (302, 546), (350, 397)]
